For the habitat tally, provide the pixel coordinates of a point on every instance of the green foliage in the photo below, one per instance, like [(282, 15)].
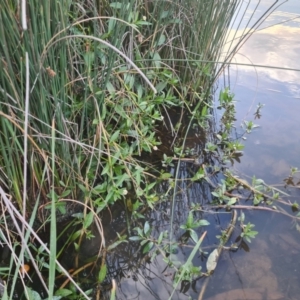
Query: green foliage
[(247, 232), (191, 224), (144, 236), (221, 194), (250, 126), (187, 273), (257, 113)]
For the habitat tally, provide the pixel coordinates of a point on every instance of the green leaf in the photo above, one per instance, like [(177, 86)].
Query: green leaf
[(117, 5), (63, 292), (164, 14), (89, 58), (120, 110), (204, 111), (146, 228), (103, 112), (157, 60), (102, 273), (110, 88), (96, 121), (176, 21), (160, 238), (150, 186), (135, 238), (114, 136), (61, 206), (259, 181), (193, 235), (190, 220), (231, 201), (33, 295), (75, 235), (247, 239), (165, 176), (115, 244), (76, 246), (121, 179), (144, 242), (53, 195), (100, 188), (148, 247), (161, 40), (202, 223), (256, 200), (88, 220), (161, 86), (82, 188), (215, 194), (139, 216), (142, 22), (111, 25), (65, 193)]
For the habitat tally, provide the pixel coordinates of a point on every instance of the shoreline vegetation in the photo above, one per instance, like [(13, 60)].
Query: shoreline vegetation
[(104, 106)]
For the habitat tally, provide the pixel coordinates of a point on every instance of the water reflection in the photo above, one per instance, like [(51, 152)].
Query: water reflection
[(274, 147), (271, 269)]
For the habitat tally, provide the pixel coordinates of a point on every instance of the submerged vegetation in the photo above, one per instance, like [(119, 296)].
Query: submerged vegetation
[(108, 106)]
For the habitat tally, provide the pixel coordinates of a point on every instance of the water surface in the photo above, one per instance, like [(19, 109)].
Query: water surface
[(271, 270)]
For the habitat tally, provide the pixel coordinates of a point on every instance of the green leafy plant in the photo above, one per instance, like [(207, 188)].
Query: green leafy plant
[(247, 229), (257, 113), (187, 273), (191, 224), (248, 233), (249, 125)]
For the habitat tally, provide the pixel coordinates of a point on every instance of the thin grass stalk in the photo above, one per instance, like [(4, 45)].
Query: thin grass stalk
[(241, 15), (14, 213), (20, 266), (24, 17), (25, 161), (14, 258), (113, 290), (53, 235)]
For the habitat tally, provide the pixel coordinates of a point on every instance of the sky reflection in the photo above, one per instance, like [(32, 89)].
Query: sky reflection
[(275, 147)]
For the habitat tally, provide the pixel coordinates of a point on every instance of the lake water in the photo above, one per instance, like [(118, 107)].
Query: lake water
[(269, 268), (273, 148)]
